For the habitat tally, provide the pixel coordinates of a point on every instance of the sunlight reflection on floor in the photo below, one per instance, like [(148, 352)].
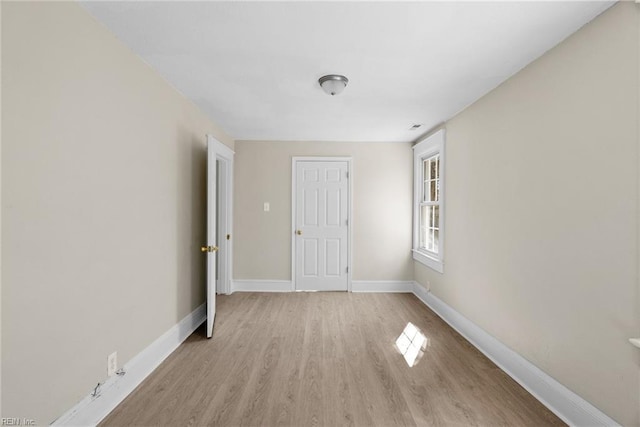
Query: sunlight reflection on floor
[(411, 344)]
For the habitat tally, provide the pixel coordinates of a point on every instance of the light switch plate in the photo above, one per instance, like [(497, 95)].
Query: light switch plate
[(266, 206)]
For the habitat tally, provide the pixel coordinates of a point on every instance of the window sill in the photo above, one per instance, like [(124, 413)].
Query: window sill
[(429, 261)]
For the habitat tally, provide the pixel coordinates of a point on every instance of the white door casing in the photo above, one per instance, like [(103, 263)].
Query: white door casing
[(321, 228)]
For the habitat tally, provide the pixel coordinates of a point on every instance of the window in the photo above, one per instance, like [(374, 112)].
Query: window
[(428, 227)]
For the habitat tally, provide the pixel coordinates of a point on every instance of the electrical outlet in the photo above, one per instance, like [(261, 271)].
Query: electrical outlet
[(112, 364), (266, 206)]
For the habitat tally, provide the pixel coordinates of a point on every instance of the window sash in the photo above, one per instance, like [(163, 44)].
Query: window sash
[(430, 191), (429, 228)]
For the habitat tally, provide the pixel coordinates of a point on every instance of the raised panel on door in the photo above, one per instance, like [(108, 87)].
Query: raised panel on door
[(333, 207), (332, 257), (310, 257), (321, 209), (310, 205)]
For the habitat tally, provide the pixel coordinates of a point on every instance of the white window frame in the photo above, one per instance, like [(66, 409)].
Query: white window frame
[(428, 147)]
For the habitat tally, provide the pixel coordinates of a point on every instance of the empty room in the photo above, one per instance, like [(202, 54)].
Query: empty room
[(320, 213)]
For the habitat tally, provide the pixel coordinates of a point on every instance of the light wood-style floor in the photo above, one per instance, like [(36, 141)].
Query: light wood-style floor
[(305, 359)]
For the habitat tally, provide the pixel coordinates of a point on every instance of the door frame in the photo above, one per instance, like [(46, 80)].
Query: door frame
[(294, 161), (225, 155)]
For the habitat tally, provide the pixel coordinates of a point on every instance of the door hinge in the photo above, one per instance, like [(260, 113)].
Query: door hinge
[(228, 236), (347, 221), (347, 174), (347, 269)]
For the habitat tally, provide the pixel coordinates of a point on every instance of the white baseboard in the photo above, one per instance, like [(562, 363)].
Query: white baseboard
[(568, 406), (91, 410), (287, 286), (261, 286), (381, 286)]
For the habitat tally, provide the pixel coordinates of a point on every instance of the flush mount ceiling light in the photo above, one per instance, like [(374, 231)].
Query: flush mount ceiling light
[(333, 84)]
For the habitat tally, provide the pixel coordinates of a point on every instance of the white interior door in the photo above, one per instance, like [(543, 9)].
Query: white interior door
[(211, 249), (223, 211), (321, 225)]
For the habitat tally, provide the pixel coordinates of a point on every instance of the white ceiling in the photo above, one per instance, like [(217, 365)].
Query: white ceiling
[(253, 67)]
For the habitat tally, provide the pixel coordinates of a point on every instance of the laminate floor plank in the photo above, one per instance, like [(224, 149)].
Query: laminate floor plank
[(325, 359), (284, 395), (349, 337), (336, 386)]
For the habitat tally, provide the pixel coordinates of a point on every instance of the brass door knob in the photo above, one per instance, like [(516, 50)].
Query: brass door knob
[(208, 248), (299, 232)]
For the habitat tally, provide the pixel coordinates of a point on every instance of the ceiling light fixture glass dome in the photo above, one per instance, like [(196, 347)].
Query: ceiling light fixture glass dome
[(333, 84)]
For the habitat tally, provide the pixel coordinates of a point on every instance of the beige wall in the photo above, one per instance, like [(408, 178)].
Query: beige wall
[(637, 329), (542, 214), (382, 181), (103, 212), (0, 216)]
